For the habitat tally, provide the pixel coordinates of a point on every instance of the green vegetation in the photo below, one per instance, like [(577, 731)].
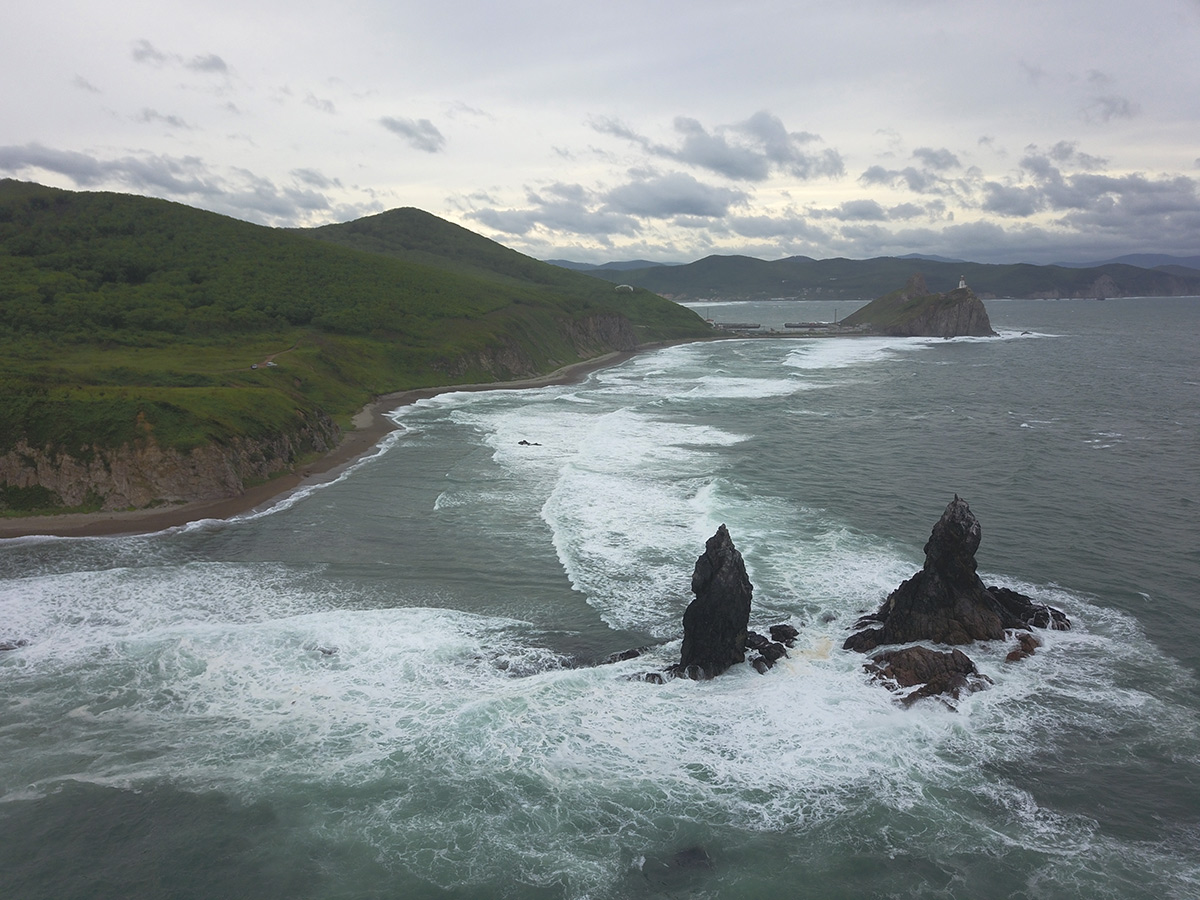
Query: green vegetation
[(123, 317), (901, 307), (798, 277)]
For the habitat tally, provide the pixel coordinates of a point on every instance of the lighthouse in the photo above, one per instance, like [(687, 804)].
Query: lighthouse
[(962, 282)]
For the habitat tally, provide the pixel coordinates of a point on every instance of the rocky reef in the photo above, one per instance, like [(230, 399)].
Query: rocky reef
[(947, 603), (915, 311)]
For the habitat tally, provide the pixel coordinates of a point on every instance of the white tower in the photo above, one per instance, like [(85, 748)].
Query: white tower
[(962, 281)]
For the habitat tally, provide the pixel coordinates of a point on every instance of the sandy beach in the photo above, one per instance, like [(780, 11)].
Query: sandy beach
[(371, 425)]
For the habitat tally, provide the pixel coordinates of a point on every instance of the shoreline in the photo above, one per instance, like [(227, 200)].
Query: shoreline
[(371, 426)]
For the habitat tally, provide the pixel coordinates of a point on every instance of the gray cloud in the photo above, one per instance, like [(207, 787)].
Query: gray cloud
[(856, 210), (1109, 107), (420, 134), (746, 151), (237, 192), (1011, 201), (560, 207), (1068, 152), (145, 52), (209, 62), (154, 117), (84, 85), (917, 180), (320, 103), (674, 194), (941, 160), (873, 211), (315, 179), (173, 175)]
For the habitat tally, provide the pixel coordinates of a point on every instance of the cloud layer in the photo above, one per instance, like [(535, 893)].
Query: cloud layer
[(771, 130)]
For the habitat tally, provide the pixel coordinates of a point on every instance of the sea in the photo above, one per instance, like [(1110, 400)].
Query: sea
[(397, 683)]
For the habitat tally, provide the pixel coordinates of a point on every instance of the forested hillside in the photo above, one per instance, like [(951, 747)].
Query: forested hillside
[(126, 321)]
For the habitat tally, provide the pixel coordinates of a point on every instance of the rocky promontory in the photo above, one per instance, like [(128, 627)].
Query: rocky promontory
[(915, 311)]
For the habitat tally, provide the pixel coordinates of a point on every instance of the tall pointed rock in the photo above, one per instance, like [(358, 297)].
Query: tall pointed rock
[(715, 623)]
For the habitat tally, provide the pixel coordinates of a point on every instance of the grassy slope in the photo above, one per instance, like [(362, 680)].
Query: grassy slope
[(122, 316), (900, 307), (725, 277)]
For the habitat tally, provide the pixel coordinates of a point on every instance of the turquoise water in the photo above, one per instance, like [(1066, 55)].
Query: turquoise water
[(388, 685)]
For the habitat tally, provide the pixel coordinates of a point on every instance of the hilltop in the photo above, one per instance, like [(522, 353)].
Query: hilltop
[(153, 353)]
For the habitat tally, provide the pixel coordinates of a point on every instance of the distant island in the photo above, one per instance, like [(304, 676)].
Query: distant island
[(915, 311), (154, 354)]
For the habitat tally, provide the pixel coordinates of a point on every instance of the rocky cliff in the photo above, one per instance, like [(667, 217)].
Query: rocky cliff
[(914, 311), (144, 473)]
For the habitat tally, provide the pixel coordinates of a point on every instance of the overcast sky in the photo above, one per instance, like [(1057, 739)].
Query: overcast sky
[(1021, 130)]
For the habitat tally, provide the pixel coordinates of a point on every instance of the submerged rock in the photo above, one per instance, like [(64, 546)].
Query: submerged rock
[(946, 602), (715, 623), (932, 672), (1027, 645)]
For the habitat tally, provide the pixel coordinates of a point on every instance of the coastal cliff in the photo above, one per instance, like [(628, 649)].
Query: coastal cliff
[(143, 473), (915, 311)]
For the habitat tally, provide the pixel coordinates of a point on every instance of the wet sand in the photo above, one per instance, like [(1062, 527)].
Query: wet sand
[(371, 425)]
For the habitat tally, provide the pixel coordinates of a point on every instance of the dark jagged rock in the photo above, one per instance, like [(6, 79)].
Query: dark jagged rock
[(785, 634), (624, 655), (770, 651), (13, 645), (756, 641), (946, 602), (715, 622), (951, 674), (1033, 615)]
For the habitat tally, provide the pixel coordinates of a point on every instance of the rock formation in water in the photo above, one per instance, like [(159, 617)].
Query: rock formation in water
[(715, 623), (915, 311), (932, 672), (946, 602)]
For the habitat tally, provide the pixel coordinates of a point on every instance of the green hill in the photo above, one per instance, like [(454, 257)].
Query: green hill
[(128, 322), (798, 277)]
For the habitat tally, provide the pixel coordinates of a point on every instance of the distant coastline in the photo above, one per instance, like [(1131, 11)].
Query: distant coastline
[(371, 427)]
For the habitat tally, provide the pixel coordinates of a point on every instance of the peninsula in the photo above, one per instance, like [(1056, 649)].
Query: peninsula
[(915, 311)]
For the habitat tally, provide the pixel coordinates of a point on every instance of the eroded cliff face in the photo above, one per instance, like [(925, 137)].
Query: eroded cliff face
[(141, 474), (588, 337), (594, 335)]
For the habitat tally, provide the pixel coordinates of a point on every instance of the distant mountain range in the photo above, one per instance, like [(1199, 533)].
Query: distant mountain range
[(804, 278), (1143, 260)]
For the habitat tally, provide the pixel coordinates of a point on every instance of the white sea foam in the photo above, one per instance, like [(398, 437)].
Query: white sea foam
[(825, 353)]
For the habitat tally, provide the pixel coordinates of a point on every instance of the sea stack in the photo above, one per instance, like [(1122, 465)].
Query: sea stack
[(716, 622), (946, 602)]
